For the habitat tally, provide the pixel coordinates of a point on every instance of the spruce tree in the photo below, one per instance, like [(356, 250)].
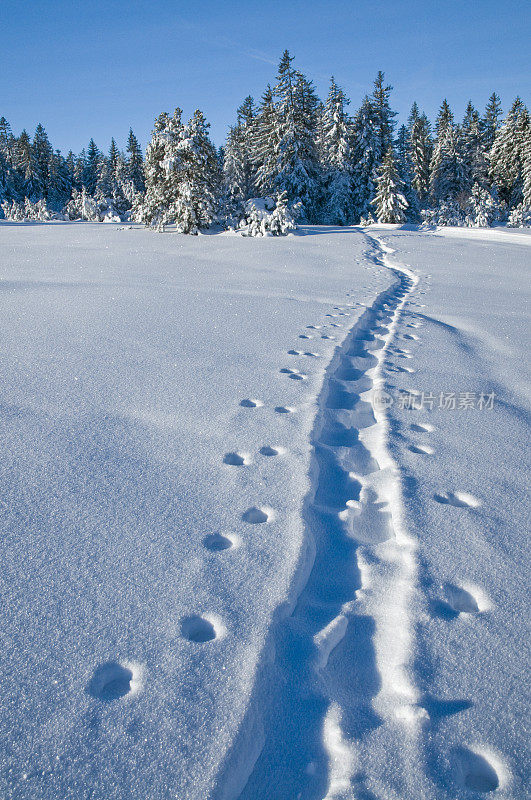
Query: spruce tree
[(507, 154), (135, 162), (383, 116), (238, 165), (42, 155), (473, 152), (297, 169), (366, 152), (445, 119), (200, 178), (334, 147), (182, 175), (405, 171), (449, 179), (265, 144), (161, 154), (420, 151), (28, 182), (92, 167), (491, 121), (60, 183), (389, 201)]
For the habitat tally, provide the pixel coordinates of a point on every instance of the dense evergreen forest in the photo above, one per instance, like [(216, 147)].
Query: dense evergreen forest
[(288, 157)]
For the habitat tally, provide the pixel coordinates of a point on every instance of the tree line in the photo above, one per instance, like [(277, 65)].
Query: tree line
[(319, 163)]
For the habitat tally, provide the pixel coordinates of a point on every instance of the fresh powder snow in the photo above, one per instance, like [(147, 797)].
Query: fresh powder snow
[(264, 514)]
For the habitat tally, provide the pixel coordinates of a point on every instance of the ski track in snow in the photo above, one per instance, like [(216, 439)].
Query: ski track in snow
[(357, 595)]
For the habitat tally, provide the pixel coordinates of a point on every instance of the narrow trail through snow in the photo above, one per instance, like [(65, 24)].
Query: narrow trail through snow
[(342, 671)]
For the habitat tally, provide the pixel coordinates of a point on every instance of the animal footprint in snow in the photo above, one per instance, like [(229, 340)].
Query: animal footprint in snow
[(113, 680), (410, 336), (202, 629), (325, 336), (458, 499), (285, 410), (422, 427), (460, 600), (305, 336), (216, 542), (314, 327), (256, 516), (236, 459), (475, 771), (271, 451), (294, 374), (471, 600), (251, 403), (421, 449)]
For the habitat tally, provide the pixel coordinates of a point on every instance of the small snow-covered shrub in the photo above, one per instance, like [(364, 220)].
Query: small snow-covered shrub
[(448, 214), (29, 211), (13, 211), (265, 216), (368, 220), (82, 206), (482, 208), (520, 217)]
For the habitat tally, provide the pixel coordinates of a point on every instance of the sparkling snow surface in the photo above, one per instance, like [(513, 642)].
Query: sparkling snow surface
[(188, 424)]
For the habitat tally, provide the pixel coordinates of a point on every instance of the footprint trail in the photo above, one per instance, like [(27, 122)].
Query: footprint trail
[(343, 659)]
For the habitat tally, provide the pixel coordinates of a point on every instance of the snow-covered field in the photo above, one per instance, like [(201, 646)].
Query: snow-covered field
[(246, 552)]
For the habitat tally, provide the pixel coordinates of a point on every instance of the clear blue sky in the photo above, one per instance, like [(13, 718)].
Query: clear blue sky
[(95, 68)]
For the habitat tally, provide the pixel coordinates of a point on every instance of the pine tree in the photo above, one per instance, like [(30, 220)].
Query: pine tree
[(389, 202), (161, 153), (445, 119), (135, 163), (238, 166), (297, 168), (414, 115), (182, 175), (60, 186), (372, 136), (28, 183), (472, 146), (265, 144), (7, 141), (113, 162), (200, 178), (420, 151), (507, 154), (335, 130), (79, 170), (91, 167), (405, 171), (366, 151), (491, 121), (383, 116), (42, 155), (449, 179)]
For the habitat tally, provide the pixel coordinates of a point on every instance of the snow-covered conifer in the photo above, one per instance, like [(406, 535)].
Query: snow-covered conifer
[(334, 144), (473, 151), (508, 153), (491, 121), (389, 202), (420, 151), (135, 162), (482, 208), (91, 167), (265, 143), (449, 179)]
